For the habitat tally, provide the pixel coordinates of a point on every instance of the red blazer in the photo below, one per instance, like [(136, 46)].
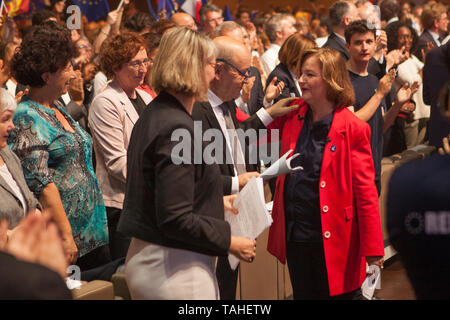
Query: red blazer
[(350, 215)]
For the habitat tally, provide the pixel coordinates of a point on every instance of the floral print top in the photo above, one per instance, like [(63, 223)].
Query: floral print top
[(50, 153)]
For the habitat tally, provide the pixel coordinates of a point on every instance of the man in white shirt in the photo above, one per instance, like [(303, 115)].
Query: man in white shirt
[(278, 28), (219, 112)]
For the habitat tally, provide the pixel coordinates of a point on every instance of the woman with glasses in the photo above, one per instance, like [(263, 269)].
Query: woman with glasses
[(414, 121), (112, 115), (55, 152)]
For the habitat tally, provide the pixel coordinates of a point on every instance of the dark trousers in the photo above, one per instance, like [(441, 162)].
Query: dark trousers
[(118, 242), (307, 269), (96, 258), (226, 279)]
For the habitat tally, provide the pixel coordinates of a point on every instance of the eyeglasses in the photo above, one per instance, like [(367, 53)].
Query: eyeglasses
[(137, 64), (243, 74), (84, 46), (218, 20)]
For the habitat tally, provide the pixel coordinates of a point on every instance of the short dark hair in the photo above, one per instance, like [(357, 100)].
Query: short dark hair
[(47, 48), (41, 16), (337, 12), (139, 21), (389, 9), (359, 26)]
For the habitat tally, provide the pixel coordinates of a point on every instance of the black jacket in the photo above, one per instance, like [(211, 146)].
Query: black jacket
[(435, 75), (282, 73), (204, 113), (23, 280), (177, 205), (257, 93)]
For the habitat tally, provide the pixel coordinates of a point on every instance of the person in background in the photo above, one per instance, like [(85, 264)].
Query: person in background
[(17, 199), (326, 216), (435, 76), (403, 36), (184, 20), (370, 103), (278, 28), (175, 213), (112, 116), (140, 23), (152, 41), (418, 207), (288, 70), (210, 17), (243, 17), (55, 152), (435, 24)]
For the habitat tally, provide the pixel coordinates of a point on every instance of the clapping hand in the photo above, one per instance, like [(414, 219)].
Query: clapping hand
[(273, 90), (405, 93), (247, 89)]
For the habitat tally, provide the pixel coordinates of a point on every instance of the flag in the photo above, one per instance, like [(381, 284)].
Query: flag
[(192, 7), (254, 14), (94, 10), (227, 16), (16, 7), (168, 6), (151, 11)]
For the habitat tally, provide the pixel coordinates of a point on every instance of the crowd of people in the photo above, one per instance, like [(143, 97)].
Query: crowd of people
[(87, 170)]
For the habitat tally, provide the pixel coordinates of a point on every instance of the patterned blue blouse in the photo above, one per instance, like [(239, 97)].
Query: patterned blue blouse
[(49, 153)]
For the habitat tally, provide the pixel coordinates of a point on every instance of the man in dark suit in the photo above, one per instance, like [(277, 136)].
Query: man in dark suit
[(219, 112), (435, 75), (252, 95), (435, 22)]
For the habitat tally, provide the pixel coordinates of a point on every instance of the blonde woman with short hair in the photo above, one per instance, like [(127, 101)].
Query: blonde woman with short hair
[(175, 212)]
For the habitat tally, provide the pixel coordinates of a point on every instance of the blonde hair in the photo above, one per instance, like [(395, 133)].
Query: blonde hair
[(7, 101), (334, 72), (180, 62)]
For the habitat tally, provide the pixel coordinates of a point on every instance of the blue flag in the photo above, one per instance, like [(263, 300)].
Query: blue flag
[(168, 6), (204, 2), (227, 16), (151, 11), (94, 10)]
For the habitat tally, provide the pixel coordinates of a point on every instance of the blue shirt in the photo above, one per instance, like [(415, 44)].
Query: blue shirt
[(49, 153), (302, 202)]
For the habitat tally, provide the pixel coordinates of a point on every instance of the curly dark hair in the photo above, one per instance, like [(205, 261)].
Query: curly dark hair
[(139, 21), (392, 35), (118, 50), (47, 48)]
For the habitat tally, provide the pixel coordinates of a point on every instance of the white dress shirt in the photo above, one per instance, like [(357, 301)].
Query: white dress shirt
[(215, 103), (269, 59)]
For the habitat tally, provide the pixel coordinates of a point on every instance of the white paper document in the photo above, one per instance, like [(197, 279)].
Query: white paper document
[(253, 217), (372, 282), (281, 166)]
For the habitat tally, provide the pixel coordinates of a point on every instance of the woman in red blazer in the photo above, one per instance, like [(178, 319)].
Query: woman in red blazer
[(326, 217)]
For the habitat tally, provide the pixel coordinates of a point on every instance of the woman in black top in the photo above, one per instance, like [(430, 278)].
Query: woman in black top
[(173, 206)]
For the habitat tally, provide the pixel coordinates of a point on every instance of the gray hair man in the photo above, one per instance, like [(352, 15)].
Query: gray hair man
[(278, 28)]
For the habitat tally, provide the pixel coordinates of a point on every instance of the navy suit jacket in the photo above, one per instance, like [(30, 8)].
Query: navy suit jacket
[(424, 38), (282, 73), (435, 74)]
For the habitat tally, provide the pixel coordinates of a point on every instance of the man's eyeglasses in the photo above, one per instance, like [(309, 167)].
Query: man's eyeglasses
[(243, 74), (137, 64), (218, 20)]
